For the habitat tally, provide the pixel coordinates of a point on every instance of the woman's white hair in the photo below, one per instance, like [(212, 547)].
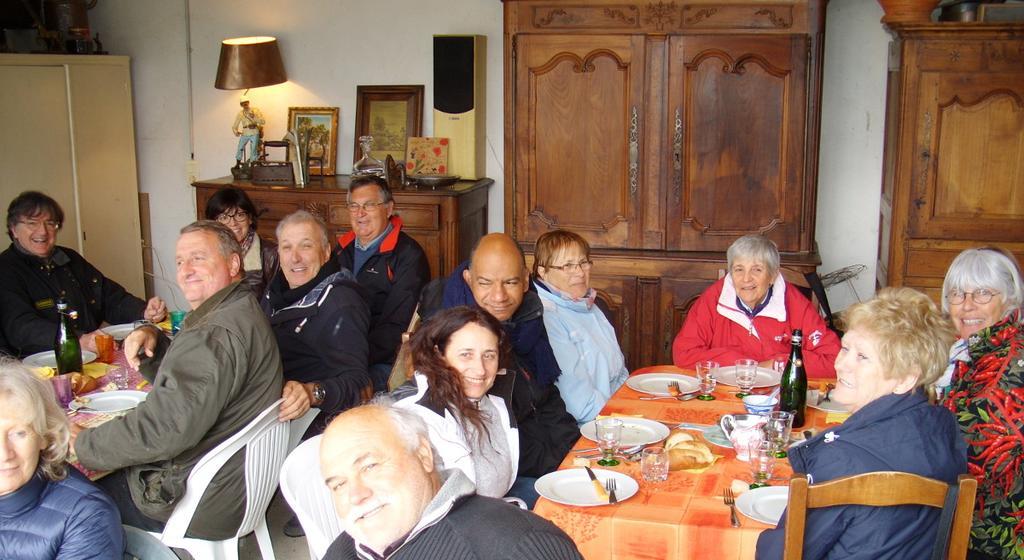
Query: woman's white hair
[(757, 248), (23, 390), (991, 268)]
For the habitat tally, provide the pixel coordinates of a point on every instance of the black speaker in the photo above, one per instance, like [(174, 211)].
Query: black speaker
[(459, 97)]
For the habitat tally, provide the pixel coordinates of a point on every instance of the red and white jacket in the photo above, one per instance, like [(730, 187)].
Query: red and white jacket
[(716, 329)]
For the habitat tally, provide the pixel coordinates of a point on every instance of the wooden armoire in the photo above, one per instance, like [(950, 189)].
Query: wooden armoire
[(661, 132), (954, 149)]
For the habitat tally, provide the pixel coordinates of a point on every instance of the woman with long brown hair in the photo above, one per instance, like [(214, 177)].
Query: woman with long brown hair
[(462, 394)]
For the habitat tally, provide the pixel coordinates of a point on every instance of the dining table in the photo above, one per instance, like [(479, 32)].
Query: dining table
[(683, 517)]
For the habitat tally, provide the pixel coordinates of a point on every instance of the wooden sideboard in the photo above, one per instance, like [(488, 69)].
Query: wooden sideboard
[(953, 176), (445, 221), (661, 132)]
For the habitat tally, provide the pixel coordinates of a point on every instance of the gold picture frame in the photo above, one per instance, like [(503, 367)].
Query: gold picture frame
[(391, 114), (323, 142)]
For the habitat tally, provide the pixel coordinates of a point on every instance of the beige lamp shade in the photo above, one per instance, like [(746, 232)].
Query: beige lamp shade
[(249, 62)]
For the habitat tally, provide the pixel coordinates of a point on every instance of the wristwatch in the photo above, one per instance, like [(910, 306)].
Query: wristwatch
[(319, 394)]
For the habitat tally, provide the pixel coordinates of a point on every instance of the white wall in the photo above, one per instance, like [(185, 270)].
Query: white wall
[(331, 46)]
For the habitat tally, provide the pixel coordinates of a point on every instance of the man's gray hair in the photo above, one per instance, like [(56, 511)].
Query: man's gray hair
[(991, 268), (757, 248), (301, 216), (409, 426), (367, 180), (226, 242)]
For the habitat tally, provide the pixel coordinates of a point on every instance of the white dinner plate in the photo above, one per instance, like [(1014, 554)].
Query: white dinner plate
[(119, 332), (573, 487), (829, 406), (635, 431), (726, 375), (47, 359), (765, 504), (658, 383), (109, 401)]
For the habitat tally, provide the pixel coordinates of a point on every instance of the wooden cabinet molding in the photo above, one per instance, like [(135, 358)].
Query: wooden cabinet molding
[(446, 222), (953, 171), (661, 132)]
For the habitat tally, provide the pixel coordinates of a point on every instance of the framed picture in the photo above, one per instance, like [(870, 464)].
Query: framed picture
[(323, 140), (391, 114), (1001, 13)]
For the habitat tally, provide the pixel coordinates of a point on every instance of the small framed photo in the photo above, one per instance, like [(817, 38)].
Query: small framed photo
[(322, 123), (1001, 13), (391, 114)]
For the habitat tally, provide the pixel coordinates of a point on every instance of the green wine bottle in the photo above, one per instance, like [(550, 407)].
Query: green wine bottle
[(793, 390), (66, 348)]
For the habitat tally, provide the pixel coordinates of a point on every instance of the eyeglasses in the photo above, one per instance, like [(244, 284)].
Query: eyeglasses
[(573, 267), (238, 216), (36, 224), (366, 206), (980, 297)]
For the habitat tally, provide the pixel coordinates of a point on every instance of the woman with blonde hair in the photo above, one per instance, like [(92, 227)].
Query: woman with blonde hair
[(583, 340), (983, 292), (46, 509), (895, 346)]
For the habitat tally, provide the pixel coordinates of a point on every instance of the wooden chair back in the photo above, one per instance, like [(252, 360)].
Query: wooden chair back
[(402, 370), (878, 489)]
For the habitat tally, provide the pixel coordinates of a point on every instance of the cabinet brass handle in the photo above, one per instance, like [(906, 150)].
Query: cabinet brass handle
[(677, 157), (634, 152)]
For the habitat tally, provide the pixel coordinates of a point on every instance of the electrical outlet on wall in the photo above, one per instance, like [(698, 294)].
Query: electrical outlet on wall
[(192, 171)]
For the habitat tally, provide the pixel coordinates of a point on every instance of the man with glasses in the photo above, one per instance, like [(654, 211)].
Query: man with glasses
[(35, 272), (388, 263)]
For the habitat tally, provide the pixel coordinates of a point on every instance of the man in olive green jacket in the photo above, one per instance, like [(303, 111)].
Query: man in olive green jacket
[(221, 370)]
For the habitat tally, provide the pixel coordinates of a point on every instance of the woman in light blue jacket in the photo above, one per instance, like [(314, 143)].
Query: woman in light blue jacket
[(584, 341)]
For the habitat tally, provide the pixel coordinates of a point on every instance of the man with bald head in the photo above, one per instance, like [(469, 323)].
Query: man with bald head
[(496, 280), (394, 503)]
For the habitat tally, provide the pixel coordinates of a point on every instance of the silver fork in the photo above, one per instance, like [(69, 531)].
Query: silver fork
[(610, 485), (730, 500)]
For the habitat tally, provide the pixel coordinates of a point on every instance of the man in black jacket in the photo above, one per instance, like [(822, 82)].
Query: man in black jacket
[(392, 502), (35, 272), (388, 263), (495, 279)]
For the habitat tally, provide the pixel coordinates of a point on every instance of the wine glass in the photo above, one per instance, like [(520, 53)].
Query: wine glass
[(762, 462), (706, 376), (746, 376), (777, 431), (609, 432)]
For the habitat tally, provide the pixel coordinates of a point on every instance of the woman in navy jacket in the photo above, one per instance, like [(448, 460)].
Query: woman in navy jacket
[(895, 344), (46, 511)]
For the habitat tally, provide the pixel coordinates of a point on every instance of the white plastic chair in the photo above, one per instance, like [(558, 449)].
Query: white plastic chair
[(266, 445), (298, 427), (303, 487)]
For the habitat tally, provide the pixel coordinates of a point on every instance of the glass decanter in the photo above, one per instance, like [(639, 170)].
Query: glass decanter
[(367, 165)]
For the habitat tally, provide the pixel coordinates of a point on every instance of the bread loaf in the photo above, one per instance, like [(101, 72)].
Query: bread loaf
[(677, 436), (81, 383), (689, 455)]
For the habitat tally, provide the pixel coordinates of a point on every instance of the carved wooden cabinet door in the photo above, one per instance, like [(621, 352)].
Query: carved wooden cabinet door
[(736, 117), (967, 169), (619, 295), (578, 141)]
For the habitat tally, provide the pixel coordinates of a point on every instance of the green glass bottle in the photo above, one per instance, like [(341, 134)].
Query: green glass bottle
[(66, 348), (793, 390)]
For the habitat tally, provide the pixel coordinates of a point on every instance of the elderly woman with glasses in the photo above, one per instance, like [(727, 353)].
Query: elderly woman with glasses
[(583, 340), (46, 509), (984, 386), (895, 346), (233, 208), (751, 313), (35, 272)]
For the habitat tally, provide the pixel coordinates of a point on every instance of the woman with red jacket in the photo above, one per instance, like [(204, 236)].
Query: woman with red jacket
[(751, 313)]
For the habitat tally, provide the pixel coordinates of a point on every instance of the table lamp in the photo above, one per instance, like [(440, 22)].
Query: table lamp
[(248, 62)]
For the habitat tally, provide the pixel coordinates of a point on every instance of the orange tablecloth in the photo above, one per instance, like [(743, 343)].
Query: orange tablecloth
[(681, 518)]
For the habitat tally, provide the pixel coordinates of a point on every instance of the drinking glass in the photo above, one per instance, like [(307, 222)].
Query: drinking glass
[(777, 431), (706, 375), (177, 316), (609, 432), (654, 464), (104, 348), (746, 376), (762, 462), (62, 389)]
